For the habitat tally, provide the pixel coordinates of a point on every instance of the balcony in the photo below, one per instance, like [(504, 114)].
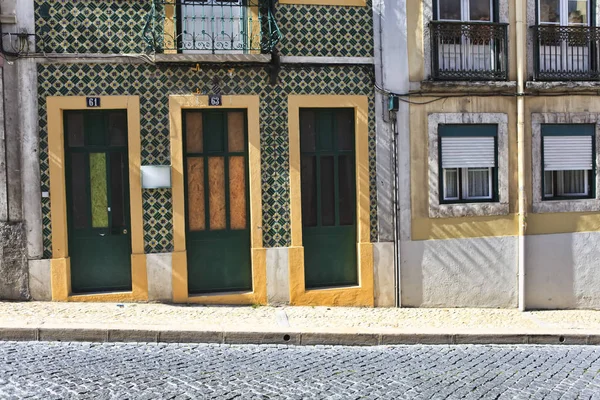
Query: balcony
[(211, 27), (469, 51), (566, 53)]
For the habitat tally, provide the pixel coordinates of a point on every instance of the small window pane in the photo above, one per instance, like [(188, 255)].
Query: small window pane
[(74, 129), (195, 185), (95, 128), (347, 193), (478, 183), (193, 131), (549, 183), (451, 184), (327, 192), (572, 183), (214, 129), (550, 11), (78, 193), (480, 10), (98, 190), (345, 129), (235, 128), (309, 191), (578, 12), (450, 9), (307, 130), (117, 128), (325, 131)]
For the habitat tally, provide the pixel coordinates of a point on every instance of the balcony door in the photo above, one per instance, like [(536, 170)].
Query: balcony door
[(213, 26), (565, 43), (466, 47)]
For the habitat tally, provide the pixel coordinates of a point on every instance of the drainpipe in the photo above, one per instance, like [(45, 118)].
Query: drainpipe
[(521, 44)]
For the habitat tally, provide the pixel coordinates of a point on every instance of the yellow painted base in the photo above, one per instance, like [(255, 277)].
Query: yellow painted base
[(259, 283), (354, 296)]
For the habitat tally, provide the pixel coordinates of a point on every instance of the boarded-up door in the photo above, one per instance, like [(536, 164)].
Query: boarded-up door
[(217, 205)]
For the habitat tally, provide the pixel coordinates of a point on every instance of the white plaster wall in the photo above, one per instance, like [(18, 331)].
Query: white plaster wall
[(383, 263), (563, 271), (474, 272), (278, 279), (160, 276), (39, 280)]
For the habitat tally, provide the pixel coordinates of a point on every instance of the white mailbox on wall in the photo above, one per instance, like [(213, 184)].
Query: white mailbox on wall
[(156, 176)]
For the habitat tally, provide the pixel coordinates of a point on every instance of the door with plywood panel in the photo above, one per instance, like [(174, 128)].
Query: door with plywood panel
[(217, 201)]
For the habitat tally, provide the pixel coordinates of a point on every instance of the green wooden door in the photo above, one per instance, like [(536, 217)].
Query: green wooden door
[(328, 197), (97, 172), (217, 204)]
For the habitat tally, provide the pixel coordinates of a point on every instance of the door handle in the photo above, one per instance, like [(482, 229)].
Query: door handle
[(102, 234), (124, 231)]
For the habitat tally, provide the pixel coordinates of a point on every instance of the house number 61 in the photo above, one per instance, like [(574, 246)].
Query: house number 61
[(93, 101)]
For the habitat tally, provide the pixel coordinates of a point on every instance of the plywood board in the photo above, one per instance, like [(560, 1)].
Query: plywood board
[(194, 131), (237, 192), (235, 128), (216, 198), (196, 209)]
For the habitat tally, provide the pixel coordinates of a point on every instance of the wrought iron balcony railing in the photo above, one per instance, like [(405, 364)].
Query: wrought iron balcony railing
[(566, 53), (212, 27), (469, 51)]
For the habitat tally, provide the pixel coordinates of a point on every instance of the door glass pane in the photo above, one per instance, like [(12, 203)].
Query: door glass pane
[(78, 193), (95, 128), (548, 183), (480, 10), (325, 131), (196, 209), (193, 131), (449, 9), (214, 129), (235, 129), (309, 191), (307, 130), (578, 14), (450, 184), (345, 130), (237, 192), (98, 190), (550, 11), (117, 128), (75, 129), (346, 188), (478, 183), (327, 192), (117, 186), (216, 197)]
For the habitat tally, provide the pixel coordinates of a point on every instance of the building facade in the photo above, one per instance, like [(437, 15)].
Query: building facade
[(496, 117), (205, 153)]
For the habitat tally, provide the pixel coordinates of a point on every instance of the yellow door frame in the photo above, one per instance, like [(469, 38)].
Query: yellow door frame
[(361, 295), (60, 265), (258, 295)]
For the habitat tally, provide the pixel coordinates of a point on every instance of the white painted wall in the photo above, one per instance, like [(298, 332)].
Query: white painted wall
[(563, 271), (478, 272)]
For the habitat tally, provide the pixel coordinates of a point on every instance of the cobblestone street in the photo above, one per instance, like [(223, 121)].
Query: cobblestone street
[(144, 371)]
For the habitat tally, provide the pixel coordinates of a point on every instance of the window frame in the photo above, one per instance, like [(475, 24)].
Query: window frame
[(462, 172), (464, 12), (564, 12), (590, 175)]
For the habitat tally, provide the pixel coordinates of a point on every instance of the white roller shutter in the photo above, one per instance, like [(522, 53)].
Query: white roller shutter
[(468, 152), (563, 153)]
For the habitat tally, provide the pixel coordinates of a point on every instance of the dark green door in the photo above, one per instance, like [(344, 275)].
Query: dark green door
[(97, 172), (328, 197), (217, 205)]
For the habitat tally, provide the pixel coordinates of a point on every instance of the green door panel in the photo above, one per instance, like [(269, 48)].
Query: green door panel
[(217, 201), (98, 201), (328, 197)]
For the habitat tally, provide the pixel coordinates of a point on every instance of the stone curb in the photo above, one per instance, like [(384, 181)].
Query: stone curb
[(290, 338)]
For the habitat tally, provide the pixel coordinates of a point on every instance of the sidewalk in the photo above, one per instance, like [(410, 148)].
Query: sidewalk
[(291, 325)]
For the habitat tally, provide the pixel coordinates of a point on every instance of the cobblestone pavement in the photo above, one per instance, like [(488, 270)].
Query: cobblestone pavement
[(183, 371)]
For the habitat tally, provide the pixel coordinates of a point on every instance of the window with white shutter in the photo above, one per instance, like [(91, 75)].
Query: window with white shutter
[(468, 163), (568, 161)]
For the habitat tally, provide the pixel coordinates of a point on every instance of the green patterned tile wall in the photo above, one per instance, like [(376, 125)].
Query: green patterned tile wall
[(116, 26), (154, 84)]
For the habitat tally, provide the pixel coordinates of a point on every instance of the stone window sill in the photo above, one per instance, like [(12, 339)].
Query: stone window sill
[(468, 210), (557, 206)]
